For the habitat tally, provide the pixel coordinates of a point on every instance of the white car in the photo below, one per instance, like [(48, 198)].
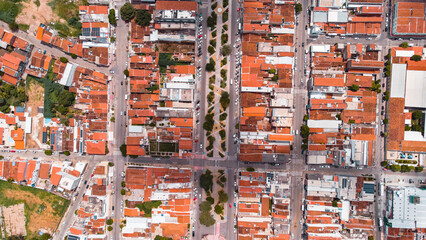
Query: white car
[(201, 145)]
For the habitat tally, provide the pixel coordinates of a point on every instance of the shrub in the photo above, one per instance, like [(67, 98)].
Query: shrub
[(404, 45), (67, 153), (123, 149), (354, 88), (126, 72), (63, 59), (109, 221), (250, 169), (48, 152), (214, 5), (384, 163), (416, 115), (211, 50), (110, 228), (111, 164), (13, 26), (298, 8), (73, 56), (416, 58)]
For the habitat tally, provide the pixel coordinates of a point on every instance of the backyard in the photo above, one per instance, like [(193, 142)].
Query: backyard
[(43, 210)]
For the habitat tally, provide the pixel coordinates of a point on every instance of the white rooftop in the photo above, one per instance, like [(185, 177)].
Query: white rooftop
[(398, 80), (415, 89), (324, 123), (409, 208)]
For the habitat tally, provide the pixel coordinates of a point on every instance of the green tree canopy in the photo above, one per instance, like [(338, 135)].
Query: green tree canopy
[(207, 219), (48, 152), (384, 163), (298, 8), (13, 26), (396, 168), (417, 115), (404, 45), (143, 17), (226, 50), (206, 181), (223, 197), (224, 99), (416, 58), (205, 206), (67, 153), (218, 209), (123, 149), (354, 88), (127, 11), (111, 17), (304, 131)]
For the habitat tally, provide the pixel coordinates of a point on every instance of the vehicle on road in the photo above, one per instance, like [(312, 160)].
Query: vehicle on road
[(201, 145)]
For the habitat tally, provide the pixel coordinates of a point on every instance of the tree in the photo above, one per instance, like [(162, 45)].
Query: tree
[(48, 152), (404, 45), (207, 219), (123, 184), (405, 168), (387, 95), (384, 163), (13, 26), (417, 115), (334, 203), (210, 67), (395, 168), (126, 72), (218, 209), (123, 192), (206, 181), (63, 59), (109, 221), (223, 179), (66, 98), (123, 149), (250, 169), (143, 18), (416, 58), (158, 237), (354, 88), (419, 169), (298, 8), (110, 228), (111, 164), (1, 157), (226, 50), (111, 17), (205, 206), (385, 121), (45, 236), (210, 200), (74, 56), (67, 153), (416, 128), (304, 131), (224, 99), (127, 12), (223, 197)]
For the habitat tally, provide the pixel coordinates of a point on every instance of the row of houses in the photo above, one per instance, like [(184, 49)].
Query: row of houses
[(339, 207), (89, 221), (62, 177), (14, 55), (169, 190), (263, 205), (346, 18), (162, 91), (267, 108), (342, 104)]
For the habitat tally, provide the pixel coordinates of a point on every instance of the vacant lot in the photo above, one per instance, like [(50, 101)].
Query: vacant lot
[(43, 210), (35, 92), (35, 12)]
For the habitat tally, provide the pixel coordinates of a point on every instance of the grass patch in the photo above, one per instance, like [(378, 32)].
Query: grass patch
[(9, 10), (23, 27), (42, 209), (167, 147), (64, 9)]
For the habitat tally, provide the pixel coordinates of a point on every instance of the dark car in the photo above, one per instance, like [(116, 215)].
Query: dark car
[(85, 182)]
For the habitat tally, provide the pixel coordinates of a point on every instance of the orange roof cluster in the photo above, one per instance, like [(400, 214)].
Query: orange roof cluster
[(13, 63), (174, 185), (338, 103), (255, 202), (266, 65), (409, 19)]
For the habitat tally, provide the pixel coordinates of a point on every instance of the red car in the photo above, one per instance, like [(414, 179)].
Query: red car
[(230, 205), (196, 140)]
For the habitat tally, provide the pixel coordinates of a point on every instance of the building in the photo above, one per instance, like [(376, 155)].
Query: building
[(408, 19)]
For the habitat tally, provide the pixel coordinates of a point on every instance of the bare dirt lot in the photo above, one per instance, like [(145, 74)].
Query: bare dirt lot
[(33, 15), (35, 99), (43, 210), (14, 220)]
